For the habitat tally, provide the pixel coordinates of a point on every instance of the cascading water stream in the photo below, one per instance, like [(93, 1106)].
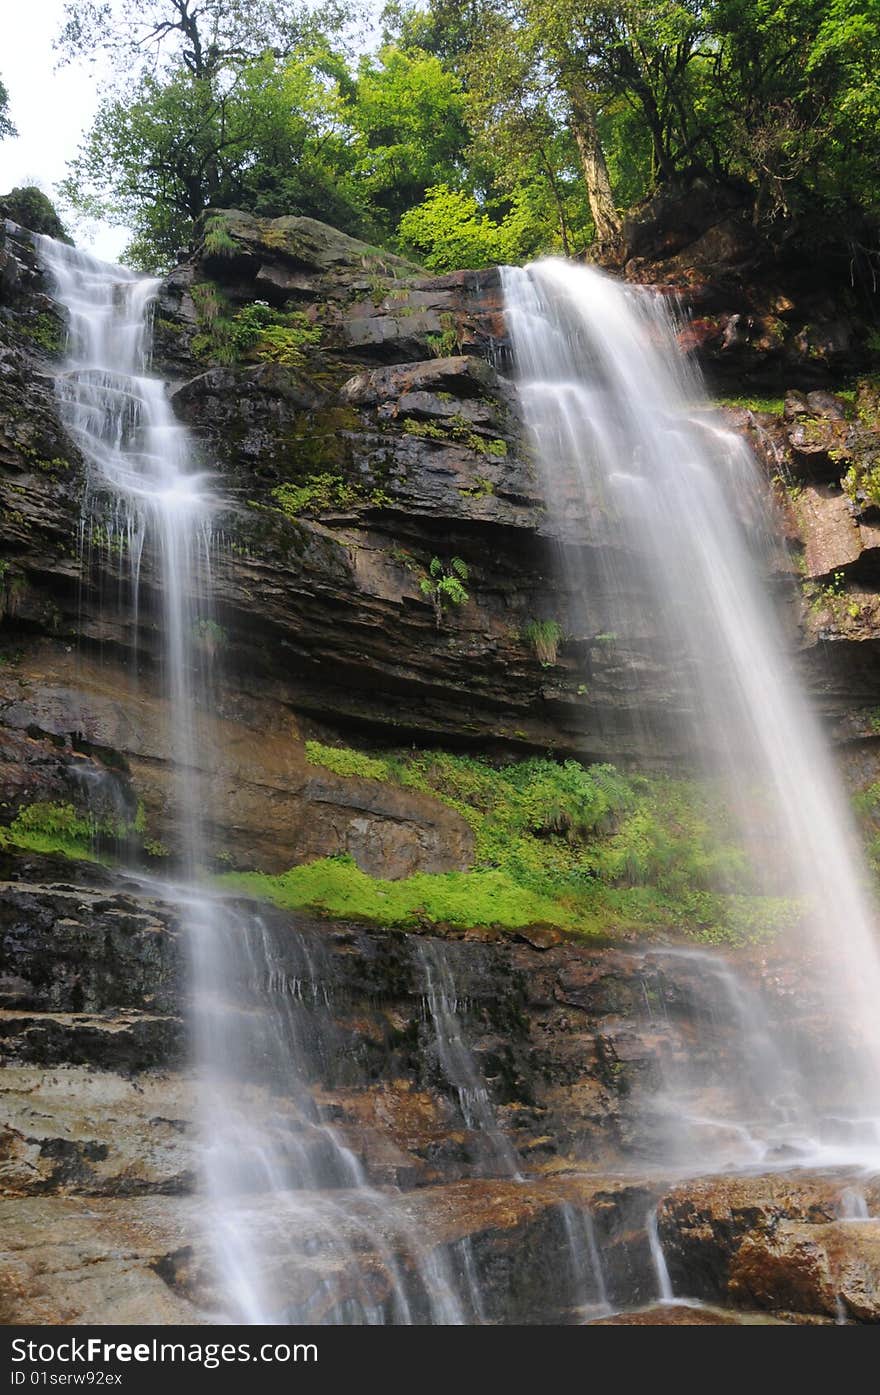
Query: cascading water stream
[(447, 1013), (141, 458), (293, 1229), (636, 469), (277, 1182), (457, 1061)]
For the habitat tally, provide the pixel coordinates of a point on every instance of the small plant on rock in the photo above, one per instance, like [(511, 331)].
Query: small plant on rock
[(545, 637), (444, 586), (218, 242)]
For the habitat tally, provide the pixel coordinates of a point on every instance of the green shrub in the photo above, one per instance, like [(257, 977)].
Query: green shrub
[(254, 333), (316, 494), (217, 240), (286, 342)]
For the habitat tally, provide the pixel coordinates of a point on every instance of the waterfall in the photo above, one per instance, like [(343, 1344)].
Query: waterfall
[(447, 1015), (853, 1205), (665, 1292), (292, 1228), (635, 468), (457, 1061), (141, 473)]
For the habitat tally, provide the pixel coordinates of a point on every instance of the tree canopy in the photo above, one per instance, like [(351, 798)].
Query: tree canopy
[(6, 126), (479, 130)]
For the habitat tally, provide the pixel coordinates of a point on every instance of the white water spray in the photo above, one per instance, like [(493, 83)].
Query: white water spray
[(676, 506)]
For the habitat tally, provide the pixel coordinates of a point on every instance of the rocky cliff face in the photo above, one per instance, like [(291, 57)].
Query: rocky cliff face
[(342, 470), (375, 434), (98, 1149)]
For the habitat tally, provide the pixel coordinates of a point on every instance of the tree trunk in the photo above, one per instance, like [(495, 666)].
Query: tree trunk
[(605, 216)]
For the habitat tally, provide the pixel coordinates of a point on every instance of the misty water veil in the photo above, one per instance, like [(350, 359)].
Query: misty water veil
[(296, 1226)]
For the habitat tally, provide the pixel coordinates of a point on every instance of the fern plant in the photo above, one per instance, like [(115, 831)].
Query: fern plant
[(444, 586)]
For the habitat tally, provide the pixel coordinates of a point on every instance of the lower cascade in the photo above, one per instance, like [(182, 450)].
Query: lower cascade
[(325, 1190)]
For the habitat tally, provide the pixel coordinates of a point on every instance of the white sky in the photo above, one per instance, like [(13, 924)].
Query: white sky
[(51, 110)]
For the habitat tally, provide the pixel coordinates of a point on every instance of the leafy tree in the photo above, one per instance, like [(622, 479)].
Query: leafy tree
[(481, 130), (205, 37), (520, 132), (408, 111), (6, 126), (33, 209), (216, 102), (271, 139), (798, 91), (449, 230)]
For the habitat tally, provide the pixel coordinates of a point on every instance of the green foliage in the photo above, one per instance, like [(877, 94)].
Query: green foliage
[(286, 341), (829, 596), (259, 333), (336, 886), (482, 487), (6, 126), (773, 405), (459, 430), (444, 586), (587, 849), (316, 494), (862, 482), (446, 342), (866, 803), (45, 331), (264, 134), (217, 240), (343, 761), (449, 230), (253, 333), (215, 339), (544, 636), (30, 207), (407, 113), (250, 324), (486, 132), (59, 828), (452, 229)]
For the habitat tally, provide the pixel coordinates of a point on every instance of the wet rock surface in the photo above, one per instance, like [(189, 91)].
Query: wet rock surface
[(98, 1153), (338, 479), (779, 1242)]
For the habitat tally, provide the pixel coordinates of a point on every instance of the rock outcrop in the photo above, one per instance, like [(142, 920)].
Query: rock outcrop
[(759, 320)]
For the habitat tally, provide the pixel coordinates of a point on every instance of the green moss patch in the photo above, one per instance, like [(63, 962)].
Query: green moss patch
[(44, 827), (773, 405), (590, 850), (336, 886), (343, 761)]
